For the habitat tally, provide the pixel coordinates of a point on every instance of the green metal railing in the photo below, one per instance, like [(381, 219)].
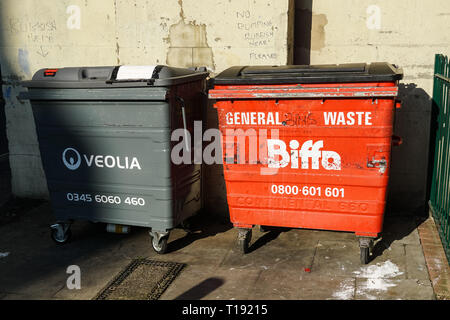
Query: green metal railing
[(440, 184)]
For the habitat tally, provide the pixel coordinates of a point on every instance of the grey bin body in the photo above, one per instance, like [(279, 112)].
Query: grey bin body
[(106, 144)]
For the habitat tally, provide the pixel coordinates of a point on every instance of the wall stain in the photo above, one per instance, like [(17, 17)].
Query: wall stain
[(182, 16), (8, 93), (319, 21), (117, 36), (117, 52), (188, 45), (23, 61)]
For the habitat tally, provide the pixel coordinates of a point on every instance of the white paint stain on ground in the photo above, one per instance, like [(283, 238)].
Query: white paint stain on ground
[(378, 278), (346, 290), (380, 270), (4, 254)]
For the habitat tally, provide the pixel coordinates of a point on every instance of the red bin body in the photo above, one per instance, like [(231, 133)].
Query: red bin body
[(322, 135)]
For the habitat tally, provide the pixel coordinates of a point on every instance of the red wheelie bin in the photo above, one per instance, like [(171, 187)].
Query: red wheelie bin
[(308, 146)]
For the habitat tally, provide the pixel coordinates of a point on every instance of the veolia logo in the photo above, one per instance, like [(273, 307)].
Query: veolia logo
[(72, 160), (70, 163)]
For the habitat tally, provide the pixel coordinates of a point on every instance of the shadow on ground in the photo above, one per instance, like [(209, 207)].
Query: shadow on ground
[(202, 289), (35, 267), (395, 229), (13, 208), (270, 234), (198, 227)]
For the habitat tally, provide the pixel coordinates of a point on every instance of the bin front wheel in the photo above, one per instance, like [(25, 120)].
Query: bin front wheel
[(364, 255), (61, 233), (243, 240), (159, 241), (365, 246)]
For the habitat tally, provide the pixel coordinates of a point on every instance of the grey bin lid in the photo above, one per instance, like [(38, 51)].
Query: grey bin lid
[(327, 73), (114, 77)]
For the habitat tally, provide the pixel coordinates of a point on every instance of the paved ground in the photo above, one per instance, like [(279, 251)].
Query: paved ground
[(437, 263), (292, 264), (5, 181)]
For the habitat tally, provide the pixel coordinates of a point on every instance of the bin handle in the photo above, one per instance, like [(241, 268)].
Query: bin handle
[(183, 113)]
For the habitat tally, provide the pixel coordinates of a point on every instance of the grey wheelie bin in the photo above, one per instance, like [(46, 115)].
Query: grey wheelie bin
[(105, 141)]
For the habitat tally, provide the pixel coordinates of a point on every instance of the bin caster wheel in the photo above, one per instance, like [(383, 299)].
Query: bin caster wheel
[(60, 233), (159, 241), (243, 240), (364, 255), (365, 246)]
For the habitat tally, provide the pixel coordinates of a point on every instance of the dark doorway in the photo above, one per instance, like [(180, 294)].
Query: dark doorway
[(302, 31)]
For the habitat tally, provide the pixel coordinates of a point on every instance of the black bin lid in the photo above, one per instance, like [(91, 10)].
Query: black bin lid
[(114, 76), (326, 73)]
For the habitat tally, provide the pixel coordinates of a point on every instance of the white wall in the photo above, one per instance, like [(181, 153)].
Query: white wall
[(36, 34)]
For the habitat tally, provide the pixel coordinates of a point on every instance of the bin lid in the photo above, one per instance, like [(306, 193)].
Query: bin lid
[(326, 73), (114, 76)]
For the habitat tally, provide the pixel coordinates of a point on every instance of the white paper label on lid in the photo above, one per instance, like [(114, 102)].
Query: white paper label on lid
[(135, 72)]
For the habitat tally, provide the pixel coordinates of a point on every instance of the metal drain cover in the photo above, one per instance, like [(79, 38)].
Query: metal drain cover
[(142, 279)]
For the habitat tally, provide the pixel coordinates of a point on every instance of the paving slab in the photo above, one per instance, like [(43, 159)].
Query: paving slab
[(34, 279), (393, 289), (415, 267), (300, 285), (267, 257), (400, 230), (199, 257), (92, 281), (221, 283), (25, 296)]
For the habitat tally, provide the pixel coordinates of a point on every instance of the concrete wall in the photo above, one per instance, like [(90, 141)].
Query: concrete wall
[(46, 33), (406, 33), (218, 34)]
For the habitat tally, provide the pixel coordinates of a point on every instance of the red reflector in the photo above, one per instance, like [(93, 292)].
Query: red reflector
[(50, 72)]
